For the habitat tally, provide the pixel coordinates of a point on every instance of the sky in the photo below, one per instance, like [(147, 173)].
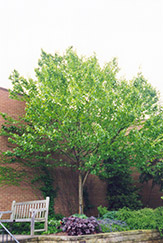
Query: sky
[(131, 30)]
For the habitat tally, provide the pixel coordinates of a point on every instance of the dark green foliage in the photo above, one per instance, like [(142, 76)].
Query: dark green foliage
[(153, 172), (58, 216), (19, 228), (87, 204), (121, 191), (48, 189)]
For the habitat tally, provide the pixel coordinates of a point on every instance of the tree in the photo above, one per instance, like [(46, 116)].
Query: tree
[(81, 111)]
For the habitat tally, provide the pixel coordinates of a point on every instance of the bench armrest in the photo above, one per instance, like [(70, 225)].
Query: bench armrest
[(33, 210), (4, 212)]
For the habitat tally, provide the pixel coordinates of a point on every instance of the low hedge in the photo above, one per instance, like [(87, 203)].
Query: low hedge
[(128, 219)]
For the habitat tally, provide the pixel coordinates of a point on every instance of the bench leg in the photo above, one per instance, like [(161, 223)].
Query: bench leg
[(46, 225), (32, 225)]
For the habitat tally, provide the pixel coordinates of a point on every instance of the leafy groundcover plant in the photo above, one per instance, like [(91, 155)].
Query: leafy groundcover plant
[(80, 226), (145, 218), (109, 222), (111, 225), (127, 219)]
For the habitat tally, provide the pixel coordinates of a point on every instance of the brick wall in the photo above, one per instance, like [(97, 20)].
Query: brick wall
[(9, 193), (65, 180), (151, 197), (12, 107)]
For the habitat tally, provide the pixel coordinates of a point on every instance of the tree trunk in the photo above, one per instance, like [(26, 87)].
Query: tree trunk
[(80, 193)]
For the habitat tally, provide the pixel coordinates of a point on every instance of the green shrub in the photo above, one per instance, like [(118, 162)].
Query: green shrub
[(24, 228), (159, 219), (146, 218), (57, 216), (121, 191), (127, 219), (110, 215), (53, 226), (102, 210), (81, 216), (18, 228), (104, 213), (86, 198)]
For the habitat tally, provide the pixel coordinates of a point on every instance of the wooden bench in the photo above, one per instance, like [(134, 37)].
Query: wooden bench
[(31, 211)]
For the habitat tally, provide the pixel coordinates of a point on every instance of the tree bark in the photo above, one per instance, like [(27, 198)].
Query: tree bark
[(80, 193)]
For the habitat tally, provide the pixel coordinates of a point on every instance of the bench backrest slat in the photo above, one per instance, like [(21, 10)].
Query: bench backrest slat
[(22, 210)]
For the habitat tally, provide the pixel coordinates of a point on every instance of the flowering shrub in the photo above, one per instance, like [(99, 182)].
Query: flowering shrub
[(77, 226), (111, 225)]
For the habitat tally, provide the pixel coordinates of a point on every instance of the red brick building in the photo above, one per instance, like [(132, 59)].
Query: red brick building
[(65, 179)]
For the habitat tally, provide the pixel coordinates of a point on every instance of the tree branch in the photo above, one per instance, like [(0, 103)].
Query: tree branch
[(85, 177), (67, 155), (113, 139)]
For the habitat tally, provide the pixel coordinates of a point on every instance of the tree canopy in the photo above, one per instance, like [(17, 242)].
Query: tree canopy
[(81, 111)]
